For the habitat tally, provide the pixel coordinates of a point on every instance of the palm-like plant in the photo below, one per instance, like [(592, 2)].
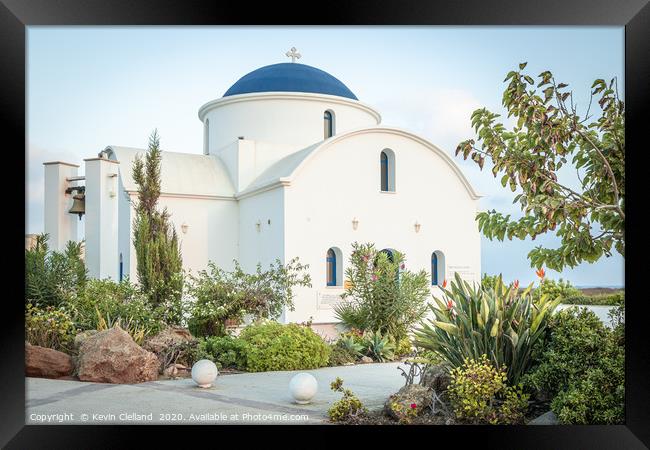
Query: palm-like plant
[(498, 322)]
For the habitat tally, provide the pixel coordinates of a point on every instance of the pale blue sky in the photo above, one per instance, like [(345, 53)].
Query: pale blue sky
[(89, 87)]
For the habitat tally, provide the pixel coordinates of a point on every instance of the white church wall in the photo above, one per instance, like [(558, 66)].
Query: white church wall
[(342, 182), (101, 226), (291, 119), (212, 229), (125, 219), (261, 229), (245, 159)]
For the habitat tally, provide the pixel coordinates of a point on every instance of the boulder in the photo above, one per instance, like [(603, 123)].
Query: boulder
[(366, 360), (111, 356), (81, 337), (176, 370), (436, 378), (46, 362), (166, 338), (548, 418), (410, 400)]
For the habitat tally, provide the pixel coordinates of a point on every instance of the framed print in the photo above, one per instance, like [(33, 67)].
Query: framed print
[(405, 217)]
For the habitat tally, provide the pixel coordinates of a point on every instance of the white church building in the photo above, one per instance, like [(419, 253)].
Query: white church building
[(293, 165)]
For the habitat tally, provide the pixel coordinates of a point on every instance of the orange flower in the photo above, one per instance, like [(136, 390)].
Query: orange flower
[(516, 284), (540, 273), (444, 283)]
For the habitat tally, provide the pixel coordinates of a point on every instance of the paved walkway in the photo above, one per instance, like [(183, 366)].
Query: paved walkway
[(234, 399)]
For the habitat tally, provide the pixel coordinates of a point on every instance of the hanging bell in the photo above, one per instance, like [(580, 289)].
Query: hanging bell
[(79, 205)]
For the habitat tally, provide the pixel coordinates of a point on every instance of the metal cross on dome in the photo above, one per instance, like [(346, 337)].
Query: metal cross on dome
[(293, 54)]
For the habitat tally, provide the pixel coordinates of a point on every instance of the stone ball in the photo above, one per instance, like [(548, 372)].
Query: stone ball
[(204, 372), (303, 387)]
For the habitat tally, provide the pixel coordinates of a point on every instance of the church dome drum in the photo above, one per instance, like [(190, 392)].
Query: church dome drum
[(287, 105)]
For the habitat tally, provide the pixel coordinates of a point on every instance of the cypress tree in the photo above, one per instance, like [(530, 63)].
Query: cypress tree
[(159, 261)]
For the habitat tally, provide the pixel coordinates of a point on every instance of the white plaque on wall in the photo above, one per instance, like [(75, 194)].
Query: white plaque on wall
[(327, 299)]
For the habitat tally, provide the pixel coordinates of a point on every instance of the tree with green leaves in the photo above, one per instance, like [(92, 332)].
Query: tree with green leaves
[(550, 134), (159, 262)]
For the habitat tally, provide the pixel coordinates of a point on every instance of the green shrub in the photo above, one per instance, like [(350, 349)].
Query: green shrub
[(382, 294), (52, 277), (49, 327), (582, 369), (273, 346), (378, 347), (602, 299), (185, 353), (403, 347), (503, 323), (556, 289), (228, 351), (488, 282), (479, 394), (341, 356), (221, 295), (348, 407), (105, 303)]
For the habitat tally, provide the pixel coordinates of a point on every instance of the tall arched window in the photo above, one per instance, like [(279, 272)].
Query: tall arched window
[(437, 268), (331, 267), (328, 123), (384, 171), (387, 170), (121, 268)]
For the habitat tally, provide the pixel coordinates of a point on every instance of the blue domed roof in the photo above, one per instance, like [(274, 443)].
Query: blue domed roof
[(290, 77)]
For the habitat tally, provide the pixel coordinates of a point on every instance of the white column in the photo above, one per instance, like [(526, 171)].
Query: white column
[(102, 256), (59, 224)]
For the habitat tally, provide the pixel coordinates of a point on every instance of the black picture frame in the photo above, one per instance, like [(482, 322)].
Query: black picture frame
[(16, 15)]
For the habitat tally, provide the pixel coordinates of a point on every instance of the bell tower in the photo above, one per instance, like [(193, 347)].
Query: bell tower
[(59, 224)]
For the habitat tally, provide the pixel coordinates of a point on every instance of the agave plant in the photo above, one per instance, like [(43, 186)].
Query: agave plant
[(499, 322), (350, 344), (378, 347)]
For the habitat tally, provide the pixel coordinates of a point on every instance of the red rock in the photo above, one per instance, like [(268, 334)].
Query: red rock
[(111, 356), (166, 338), (46, 362)]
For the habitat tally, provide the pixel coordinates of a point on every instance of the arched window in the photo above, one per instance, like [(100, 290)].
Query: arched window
[(328, 123), (387, 170), (384, 171), (331, 267), (437, 268), (389, 254), (121, 268)]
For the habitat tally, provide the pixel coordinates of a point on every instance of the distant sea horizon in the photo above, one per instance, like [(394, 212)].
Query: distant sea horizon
[(595, 286)]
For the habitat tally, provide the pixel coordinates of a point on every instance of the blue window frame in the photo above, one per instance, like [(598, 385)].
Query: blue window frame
[(384, 171), (329, 124), (331, 267), (434, 269)]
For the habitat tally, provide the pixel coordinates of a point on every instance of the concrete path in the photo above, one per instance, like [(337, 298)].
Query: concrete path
[(260, 398)]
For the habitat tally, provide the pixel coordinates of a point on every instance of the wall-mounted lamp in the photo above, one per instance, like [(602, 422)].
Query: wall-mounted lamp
[(417, 226), (355, 223), (184, 228)]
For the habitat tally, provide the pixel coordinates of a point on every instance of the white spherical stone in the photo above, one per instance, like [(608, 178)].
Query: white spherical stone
[(303, 387), (204, 372)]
